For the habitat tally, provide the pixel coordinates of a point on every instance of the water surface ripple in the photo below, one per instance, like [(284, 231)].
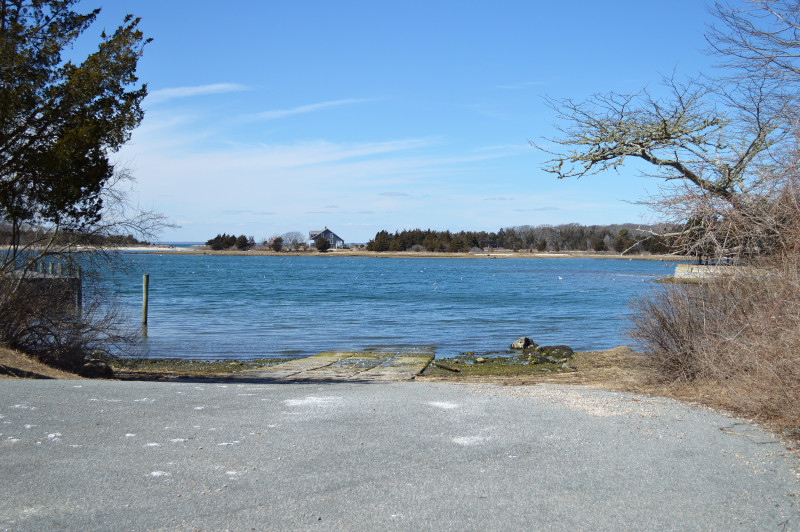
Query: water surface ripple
[(204, 306)]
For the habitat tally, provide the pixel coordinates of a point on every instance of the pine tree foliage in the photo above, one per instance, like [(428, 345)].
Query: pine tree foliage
[(62, 117), (60, 120), (629, 238), (323, 244)]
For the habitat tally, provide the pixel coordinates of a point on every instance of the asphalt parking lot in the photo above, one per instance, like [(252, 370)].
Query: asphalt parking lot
[(100, 455)]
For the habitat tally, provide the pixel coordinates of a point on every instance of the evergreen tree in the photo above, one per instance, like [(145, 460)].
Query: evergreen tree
[(381, 242), (323, 244), (242, 243), (59, 121)]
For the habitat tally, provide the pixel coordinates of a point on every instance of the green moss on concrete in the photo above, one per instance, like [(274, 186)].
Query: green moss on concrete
[(178, 365), (497, 364)]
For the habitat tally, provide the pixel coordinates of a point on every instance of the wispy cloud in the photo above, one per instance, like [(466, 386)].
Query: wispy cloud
[(498, 198), (247, 211), (314, 153), (180, 158), (282, 113), (163, 95)]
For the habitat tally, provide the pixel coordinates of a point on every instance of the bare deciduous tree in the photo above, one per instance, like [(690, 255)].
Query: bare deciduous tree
[(758, 37), (714, 146), (293, 239), (721, 144), (698, 133), (729, 152)]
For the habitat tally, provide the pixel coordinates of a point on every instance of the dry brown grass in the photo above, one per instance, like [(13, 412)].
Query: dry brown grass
[(16, 365)]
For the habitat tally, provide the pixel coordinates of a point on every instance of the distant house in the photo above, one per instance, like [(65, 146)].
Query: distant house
[(336, 241)]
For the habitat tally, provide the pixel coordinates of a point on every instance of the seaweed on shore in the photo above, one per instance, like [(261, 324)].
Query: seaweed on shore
[(499, 363), (172, 367)]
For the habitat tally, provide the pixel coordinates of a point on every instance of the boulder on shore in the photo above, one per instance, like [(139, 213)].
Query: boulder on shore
[(96, 368), (524, 343)]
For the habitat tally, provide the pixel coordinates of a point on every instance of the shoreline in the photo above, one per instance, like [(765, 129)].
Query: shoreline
[(501, 254)]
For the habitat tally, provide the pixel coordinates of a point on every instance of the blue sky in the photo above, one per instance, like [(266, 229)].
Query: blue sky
[(273, 116)]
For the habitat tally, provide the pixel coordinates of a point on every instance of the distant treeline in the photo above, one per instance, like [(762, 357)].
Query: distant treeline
[(630, 238), (226, 241), (65, 237)]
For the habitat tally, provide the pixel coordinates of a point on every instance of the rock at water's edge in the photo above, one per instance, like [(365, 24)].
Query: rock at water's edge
[(524, 343)]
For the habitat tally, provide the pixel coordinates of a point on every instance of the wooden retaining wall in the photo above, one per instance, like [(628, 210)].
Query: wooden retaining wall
[(56, 281)]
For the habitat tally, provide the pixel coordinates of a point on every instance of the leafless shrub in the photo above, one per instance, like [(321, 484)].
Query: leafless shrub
[(667, 325), (741, 330), (44, 320), (39, 315)]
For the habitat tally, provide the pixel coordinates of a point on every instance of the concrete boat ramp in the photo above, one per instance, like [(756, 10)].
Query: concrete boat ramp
[(345, 366)]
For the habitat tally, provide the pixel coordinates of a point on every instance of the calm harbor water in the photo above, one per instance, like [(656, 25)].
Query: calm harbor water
[(213, 307)]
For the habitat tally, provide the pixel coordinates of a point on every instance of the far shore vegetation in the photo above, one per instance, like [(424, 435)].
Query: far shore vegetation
[(624, 238), (67, 237), (629, 239)]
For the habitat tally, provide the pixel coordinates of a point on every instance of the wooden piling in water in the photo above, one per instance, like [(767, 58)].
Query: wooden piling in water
[(145, 291)]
